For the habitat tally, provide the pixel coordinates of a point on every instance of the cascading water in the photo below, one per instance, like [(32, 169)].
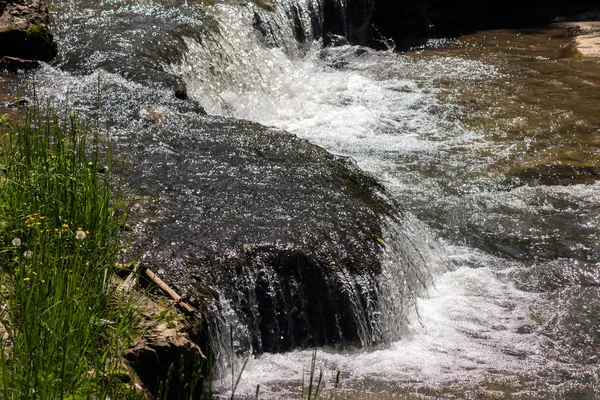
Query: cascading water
[(384, 110), (370, 309), (502, 305)]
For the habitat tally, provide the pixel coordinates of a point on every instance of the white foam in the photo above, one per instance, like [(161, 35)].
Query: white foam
[(468, 327)]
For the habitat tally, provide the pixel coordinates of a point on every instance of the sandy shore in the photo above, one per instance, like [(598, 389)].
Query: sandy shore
[(586, 30)]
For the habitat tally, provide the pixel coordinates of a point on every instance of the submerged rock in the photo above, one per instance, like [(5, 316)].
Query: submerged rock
[(24, 32), (286, 234)]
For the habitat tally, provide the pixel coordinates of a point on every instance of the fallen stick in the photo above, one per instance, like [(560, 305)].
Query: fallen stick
[(165, 288)]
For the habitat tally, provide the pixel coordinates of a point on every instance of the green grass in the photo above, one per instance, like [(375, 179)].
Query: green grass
[(63, 327)]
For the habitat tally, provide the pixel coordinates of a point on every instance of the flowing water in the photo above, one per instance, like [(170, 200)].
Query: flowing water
[(491, 142)]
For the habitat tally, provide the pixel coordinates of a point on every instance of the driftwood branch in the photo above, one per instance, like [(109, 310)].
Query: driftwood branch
[(165, 288)]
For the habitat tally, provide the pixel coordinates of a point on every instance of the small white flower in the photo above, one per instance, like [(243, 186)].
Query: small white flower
[(16, 242), (28, 254), (80, 235)]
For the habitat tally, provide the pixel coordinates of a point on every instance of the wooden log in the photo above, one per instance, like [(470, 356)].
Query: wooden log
[(165, 288)]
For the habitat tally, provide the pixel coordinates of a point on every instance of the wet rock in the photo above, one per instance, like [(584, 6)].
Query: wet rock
[(352, 19), (24, 32), (558, 174), (412, 22), (20, 103), (13, 64), (287, 233), (181, 91)]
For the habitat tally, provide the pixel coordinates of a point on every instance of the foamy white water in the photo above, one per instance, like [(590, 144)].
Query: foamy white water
[(471, 324)]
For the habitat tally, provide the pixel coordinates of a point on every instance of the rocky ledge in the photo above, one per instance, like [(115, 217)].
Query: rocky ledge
[(24, 34), (233, 210)]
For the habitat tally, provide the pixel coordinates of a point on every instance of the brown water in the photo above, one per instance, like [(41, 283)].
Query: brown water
[(546, 113)]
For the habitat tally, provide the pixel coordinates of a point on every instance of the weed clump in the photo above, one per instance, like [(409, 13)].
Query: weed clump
[(39, 30), (62, 331)]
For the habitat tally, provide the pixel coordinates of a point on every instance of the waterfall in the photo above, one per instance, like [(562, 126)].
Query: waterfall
[(271, 306), (271, 309), (252, 44)]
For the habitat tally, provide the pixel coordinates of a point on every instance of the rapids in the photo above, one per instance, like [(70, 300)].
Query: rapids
[(475, 137), (489, 142)]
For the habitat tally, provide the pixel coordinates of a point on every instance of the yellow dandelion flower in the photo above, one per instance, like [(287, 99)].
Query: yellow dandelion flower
[(38, 223), (65, 225), (87, 232), (26, 279), (43, 281), (79, 229), (35, 273)]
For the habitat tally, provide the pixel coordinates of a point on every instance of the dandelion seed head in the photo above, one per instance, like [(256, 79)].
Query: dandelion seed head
[(16, 242), (80, 235), (28, 254)]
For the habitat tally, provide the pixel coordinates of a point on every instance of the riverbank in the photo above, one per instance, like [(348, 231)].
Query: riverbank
[(586, 31)]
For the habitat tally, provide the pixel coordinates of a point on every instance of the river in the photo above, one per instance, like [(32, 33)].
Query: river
[(490, 141)]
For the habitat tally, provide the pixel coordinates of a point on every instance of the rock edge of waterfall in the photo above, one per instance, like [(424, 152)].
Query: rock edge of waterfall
[(229, 208), (24, 35)]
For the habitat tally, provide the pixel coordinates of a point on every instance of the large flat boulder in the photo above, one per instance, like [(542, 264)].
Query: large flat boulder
[(288, 235)]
